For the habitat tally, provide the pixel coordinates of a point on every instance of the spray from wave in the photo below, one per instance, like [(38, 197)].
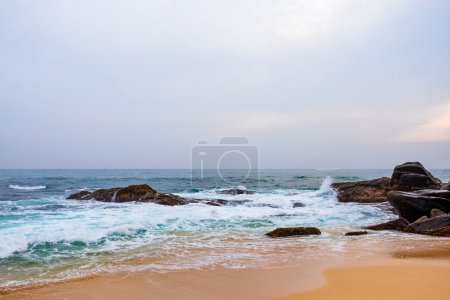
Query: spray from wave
[(326, 185)]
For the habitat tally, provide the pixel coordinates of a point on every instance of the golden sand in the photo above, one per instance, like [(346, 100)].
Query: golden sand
[(423, 274)]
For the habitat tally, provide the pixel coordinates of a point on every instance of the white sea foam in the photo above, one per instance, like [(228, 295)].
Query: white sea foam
[(26, 187)]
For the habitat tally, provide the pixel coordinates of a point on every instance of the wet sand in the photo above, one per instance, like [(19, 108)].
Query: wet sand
[(389, 280), (418, 274)]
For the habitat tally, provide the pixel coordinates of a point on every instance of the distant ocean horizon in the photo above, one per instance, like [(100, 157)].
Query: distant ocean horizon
[(46, 237)]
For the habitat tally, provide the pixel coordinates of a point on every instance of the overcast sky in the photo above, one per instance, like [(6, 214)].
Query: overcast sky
[(312, 84)]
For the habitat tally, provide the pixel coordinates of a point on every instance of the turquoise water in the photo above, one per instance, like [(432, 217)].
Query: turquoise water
[(46, 237)]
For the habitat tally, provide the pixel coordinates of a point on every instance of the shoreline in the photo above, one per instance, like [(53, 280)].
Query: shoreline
[(303, 279)]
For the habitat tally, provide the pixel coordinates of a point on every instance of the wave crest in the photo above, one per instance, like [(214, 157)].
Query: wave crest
[(27, 187)]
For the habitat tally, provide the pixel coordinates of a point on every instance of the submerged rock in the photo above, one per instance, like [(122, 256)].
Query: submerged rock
[(413, 205), (412, 176), (298, 204), (293, 231), (236, 192), (398, 225), (355, 233), (367, 191)]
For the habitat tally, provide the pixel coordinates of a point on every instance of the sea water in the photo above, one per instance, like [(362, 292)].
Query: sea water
[(45, 237)]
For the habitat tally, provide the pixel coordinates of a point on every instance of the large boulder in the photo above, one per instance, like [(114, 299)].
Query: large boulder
[(293, 231), (132, 193), (413, 205), (368, 191), (412, 176)]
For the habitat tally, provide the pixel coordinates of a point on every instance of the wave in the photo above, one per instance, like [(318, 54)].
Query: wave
[(27, 187)]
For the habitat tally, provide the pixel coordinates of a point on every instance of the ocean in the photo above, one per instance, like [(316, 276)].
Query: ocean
[(44, 237)]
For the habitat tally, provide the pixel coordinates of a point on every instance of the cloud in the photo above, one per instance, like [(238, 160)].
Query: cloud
[(435, 128)]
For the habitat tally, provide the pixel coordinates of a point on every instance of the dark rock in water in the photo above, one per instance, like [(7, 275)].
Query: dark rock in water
[(412, 176), (398, 225), (429, 224), (354, 233), (137, 193), (219, 202), (367, 191), (79, 195), (293, 231), (236, 192), (298, 204), (104, 195), (413, 205)]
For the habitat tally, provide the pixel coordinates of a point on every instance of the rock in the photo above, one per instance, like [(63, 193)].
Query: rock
[(79, 195), (353, 233), (398, 225), (298, 204), (436, 213), (421, 219), (412, 176), (236, 192), (293, 231), (429, 224), (444, 232), (368, 191), (413, 205)]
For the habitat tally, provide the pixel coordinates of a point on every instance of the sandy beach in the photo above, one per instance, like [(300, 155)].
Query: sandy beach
[(416, 274)]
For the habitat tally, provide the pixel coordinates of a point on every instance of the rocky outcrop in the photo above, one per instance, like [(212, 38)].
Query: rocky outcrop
[(144, 193), (412, 176), (398, 225), (356, 233), (407, 177), (236, 192), (413, 205), (293, 231), (368, 191)]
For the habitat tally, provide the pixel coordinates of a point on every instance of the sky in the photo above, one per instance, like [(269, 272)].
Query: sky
[(310, 83)]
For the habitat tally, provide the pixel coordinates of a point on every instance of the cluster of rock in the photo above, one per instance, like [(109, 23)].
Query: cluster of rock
[(421, 200), (144, 193)]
